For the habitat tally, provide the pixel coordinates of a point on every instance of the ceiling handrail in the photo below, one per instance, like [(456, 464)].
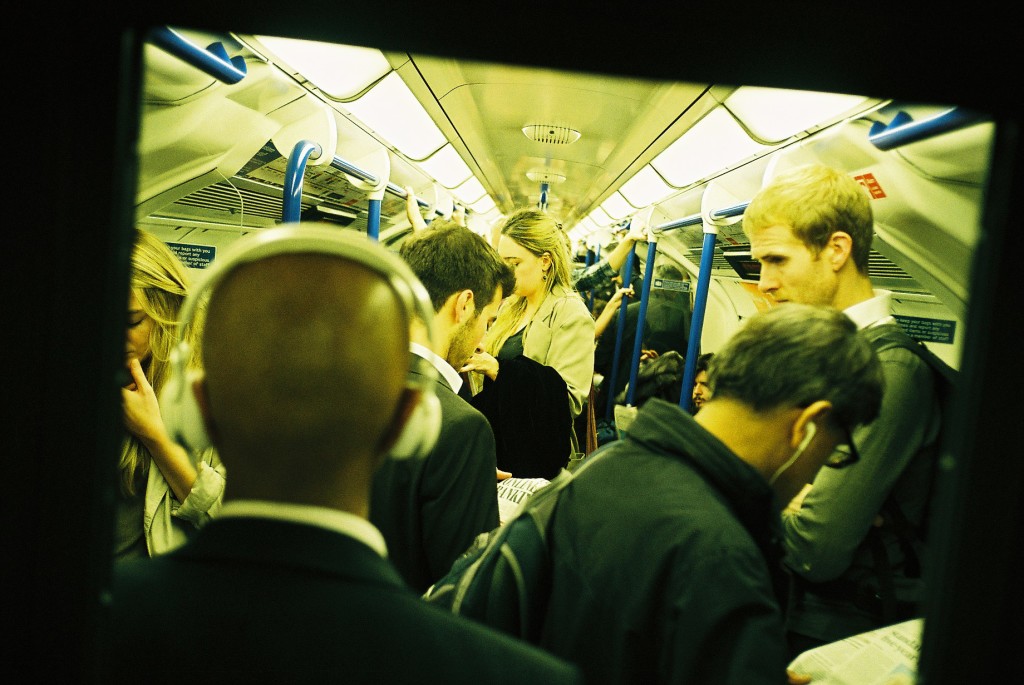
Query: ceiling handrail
[(214, 60), (903, 130)]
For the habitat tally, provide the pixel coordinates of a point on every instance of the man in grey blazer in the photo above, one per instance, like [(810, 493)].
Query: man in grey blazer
[(430, 510), (305, 389)]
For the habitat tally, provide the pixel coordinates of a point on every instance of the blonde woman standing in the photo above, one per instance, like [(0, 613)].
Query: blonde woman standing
[(533, 372), (163, 492)]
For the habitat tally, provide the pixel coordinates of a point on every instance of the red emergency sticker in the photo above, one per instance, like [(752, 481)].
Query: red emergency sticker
[(869, 182)]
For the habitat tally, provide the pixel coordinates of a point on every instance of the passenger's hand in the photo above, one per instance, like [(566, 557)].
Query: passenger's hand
[(459, 215), (637, 231), (412, 210), (616, 299), (794, 678), (141, 409), (482, 362), (502, 475), (648, 355)]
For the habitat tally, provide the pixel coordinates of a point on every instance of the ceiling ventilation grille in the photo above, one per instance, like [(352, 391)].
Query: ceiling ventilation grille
[(549, 133)]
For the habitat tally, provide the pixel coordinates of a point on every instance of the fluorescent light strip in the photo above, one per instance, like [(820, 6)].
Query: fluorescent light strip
[(617, 207), (775, 114), (715, 143), (340, 71), (446, 167), (469, 192), (392, 111), (645, 188)]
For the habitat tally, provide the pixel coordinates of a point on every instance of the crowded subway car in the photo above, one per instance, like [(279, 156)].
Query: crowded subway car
[(231, 133)]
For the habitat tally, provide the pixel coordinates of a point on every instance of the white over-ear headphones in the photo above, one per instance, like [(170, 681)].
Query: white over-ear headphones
[(178, 405)]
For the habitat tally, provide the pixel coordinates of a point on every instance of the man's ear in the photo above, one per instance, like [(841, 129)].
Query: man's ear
[(842, 249), (816, 413), (203, 402), (465, 306)]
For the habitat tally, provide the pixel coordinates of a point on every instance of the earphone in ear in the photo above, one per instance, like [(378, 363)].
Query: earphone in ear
[(178, 404), (809, 430)]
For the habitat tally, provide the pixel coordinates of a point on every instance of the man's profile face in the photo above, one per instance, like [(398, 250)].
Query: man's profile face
[(701, 391), (790, 270), (468, 335)]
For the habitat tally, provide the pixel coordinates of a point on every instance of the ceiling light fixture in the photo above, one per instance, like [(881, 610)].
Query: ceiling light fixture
[(545, 176), (551, 133)]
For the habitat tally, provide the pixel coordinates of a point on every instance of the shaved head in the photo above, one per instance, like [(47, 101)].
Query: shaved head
[(306, 358)]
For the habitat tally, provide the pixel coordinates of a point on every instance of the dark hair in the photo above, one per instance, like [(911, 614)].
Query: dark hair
[(448, 258), (702, 362), (794, 354)]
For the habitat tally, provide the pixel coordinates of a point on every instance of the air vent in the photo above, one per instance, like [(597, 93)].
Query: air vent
[(549, 133)]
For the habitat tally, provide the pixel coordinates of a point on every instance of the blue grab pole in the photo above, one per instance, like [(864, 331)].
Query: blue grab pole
[(638, 338), (373, 220), (590, 293), (700, 302), (627, 278), (293, 176)]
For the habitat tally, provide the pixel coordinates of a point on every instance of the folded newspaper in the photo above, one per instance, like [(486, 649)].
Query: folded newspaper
[(513, 492), (887, 656)]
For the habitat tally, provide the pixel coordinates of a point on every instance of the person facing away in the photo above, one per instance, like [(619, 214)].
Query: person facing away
[(701, 390), (430, 510), (666, 562), (533, 372), (811, 230), (164, 493), (304, 391)]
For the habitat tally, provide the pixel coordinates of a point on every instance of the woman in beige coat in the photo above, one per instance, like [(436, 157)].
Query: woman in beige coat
[(543, 328)]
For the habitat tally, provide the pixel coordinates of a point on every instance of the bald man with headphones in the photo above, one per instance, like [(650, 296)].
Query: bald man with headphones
[(307, 387)]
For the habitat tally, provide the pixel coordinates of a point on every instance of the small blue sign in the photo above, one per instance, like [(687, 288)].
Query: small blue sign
[(928, 330), (194, 256)]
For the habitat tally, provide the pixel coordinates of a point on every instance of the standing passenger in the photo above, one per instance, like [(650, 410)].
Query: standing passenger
[(306, 389), (666, 557), (165, 492), (811, 229), (430, 510), (537, 361)]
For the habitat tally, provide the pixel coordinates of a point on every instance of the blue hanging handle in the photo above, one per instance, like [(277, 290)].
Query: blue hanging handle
[(293, 177), (213, 60), (700, 302)]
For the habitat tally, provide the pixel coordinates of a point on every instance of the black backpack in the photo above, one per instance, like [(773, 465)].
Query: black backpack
[(504, 579), (946, 383)]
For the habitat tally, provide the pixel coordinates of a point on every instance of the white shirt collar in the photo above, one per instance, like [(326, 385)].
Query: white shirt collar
[(872, 312), (323, 517), (443, 367)]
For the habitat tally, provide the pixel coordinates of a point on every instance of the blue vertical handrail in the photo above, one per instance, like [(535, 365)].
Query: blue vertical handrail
[(373, 220), (627, 278), (213, 61), (293, 176), (700, 302), (590, 293), (543, 196), (641, 322)]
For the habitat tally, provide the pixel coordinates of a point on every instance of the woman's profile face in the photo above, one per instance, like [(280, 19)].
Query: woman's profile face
[(528, 267), (137, 332)]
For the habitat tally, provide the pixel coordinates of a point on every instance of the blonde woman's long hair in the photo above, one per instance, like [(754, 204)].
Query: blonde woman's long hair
[(160, 283), (537, 233)]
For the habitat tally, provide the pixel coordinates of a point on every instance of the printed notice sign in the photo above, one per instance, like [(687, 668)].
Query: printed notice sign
[(194, 256), (928, 330), (669, 284)]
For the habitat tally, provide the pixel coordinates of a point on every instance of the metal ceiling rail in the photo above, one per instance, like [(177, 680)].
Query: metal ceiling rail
[(903, 130), (213, 60)]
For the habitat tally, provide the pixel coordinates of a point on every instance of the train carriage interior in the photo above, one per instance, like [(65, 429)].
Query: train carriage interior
[(218, 126)]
